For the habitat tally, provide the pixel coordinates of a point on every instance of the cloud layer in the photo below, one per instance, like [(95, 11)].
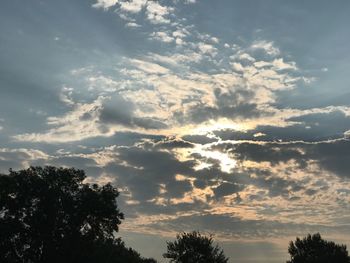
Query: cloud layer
[(202, 117)]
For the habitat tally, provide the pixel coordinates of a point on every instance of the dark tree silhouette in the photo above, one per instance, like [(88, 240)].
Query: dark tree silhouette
[(49, 215), (313, 249), (115, 251), (194, 248)]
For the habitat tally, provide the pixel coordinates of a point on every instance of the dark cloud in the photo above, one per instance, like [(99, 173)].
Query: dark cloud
[(230, 225), (271, 152), (226, 189), (333, 156), (276, 186), (231, 105), (117, 110), (310, 128), (120, 139), (229, 134), (152, 208), (18, 158), (177, 189), (146, 169), (170, 143), (149, 123), (198, 139)]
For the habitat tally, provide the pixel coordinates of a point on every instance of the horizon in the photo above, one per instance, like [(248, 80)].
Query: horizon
[(229, 117)]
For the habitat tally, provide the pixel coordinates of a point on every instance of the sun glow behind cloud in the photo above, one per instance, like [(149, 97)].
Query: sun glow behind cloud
[(226, 162)]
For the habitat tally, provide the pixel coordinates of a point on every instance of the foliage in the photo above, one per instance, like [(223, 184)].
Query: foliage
[(114, 251), (50, 215), (313, 249), (193, 247)]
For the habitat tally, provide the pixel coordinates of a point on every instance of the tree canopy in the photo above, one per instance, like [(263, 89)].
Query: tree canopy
[(313, 249), (50, 215), (194, 247)]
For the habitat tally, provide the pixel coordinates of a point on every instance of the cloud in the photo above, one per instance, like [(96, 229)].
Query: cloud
[(276, 64), (157, 178), (77, 124), (313, 126), (162, 36), (101, 117), (227, 226), (267, 46), (154, 12), (20, 158), (207, 49), (147, 67), (226, 189), (134, 6), (333, 157), (190, 1), (163, 92), (132, 24), (105, 4), (231, 105), (153, 168), (157, 14)]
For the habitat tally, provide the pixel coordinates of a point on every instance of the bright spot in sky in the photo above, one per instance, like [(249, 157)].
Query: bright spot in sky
[(225, 161), (216, 125)]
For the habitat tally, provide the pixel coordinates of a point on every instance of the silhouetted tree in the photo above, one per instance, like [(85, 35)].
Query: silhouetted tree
[(115, 251), (49, 215), (194, 248), (313, 249)]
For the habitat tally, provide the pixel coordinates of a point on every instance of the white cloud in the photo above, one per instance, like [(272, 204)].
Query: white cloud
[(133, 6), (157, 14), (267, 46), (277, 64), (78, 124), (162, 36), (237, 66), (207, 49), (186, 2), (154, 11), (66, 96), (105, 4), (214, 40), (176, 60), (132, 24), (179, 41), (148, 67), (243, 56), (180, 33), (20, 158)]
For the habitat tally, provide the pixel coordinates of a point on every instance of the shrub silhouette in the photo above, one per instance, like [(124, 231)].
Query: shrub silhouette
[(193, 247), (313, 249), (49, 215)]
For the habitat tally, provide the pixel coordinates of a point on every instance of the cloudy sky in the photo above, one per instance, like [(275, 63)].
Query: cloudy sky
[(230, 117)]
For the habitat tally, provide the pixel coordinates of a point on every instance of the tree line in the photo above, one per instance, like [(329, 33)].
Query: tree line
[(49, 215)]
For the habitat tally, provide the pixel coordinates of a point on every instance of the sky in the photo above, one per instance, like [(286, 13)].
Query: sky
[(231, 117)]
